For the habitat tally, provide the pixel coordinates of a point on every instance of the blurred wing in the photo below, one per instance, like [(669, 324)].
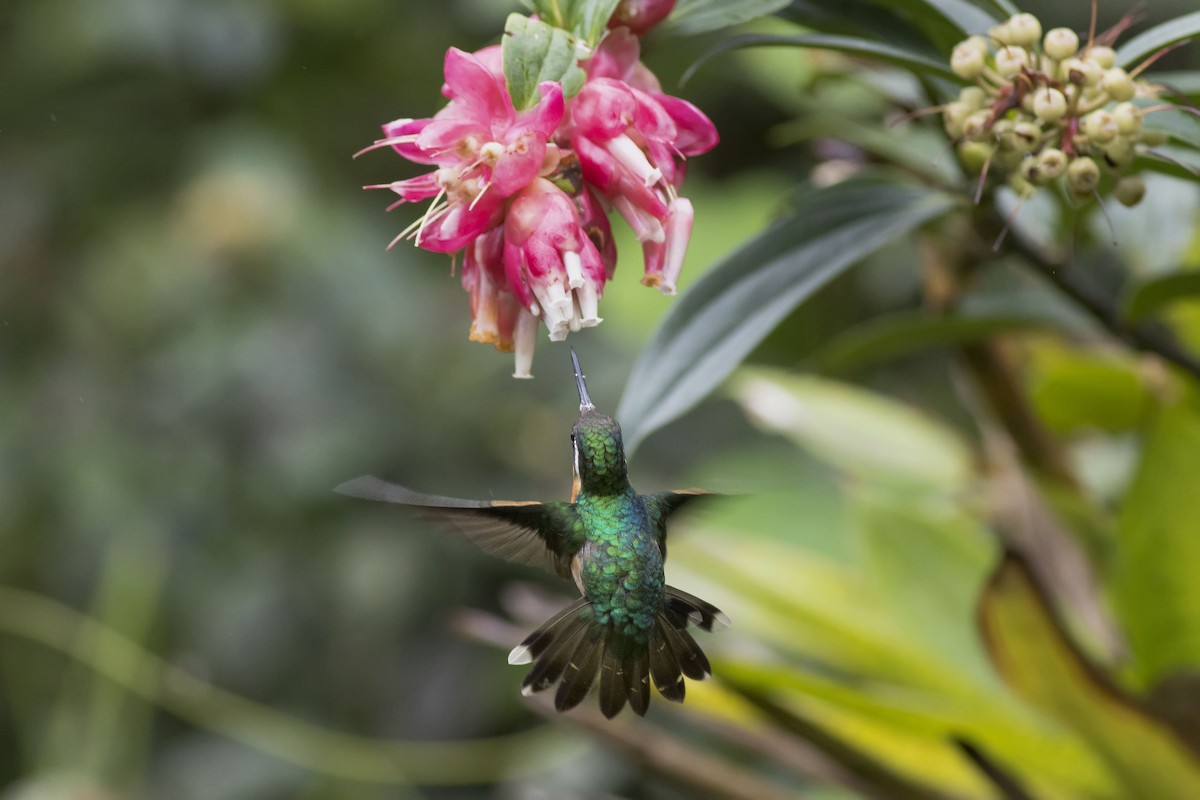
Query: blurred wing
[(531, 533), (663, 504)]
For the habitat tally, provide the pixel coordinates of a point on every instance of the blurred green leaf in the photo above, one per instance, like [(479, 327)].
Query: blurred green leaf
[(1036, 658), (1149, 42), (1074, 392), (1181, 126), (698, 16), (725, 314), (1147, 298), (966, 17), (535, 52), (906, 333), (856, 430), (854, 45), (587, 19), (1156, 590)]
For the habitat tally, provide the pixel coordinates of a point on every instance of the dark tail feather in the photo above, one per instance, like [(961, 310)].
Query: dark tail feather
[(572, 649)]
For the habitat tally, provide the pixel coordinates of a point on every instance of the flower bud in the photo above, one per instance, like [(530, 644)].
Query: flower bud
[(1100, 126), (1052, 163), (1118, 84), (1129, 119), (953, 116), (640, 15), (1000, 34), (1060, 43), (976, 127), (1011, 60), (967, 60), (1130, 190), (1105, 57), (1024, 30), (1083, 175), (1049, 104), (1002, 131)]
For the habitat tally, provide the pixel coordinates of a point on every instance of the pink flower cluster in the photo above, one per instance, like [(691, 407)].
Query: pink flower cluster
[(524, 195)]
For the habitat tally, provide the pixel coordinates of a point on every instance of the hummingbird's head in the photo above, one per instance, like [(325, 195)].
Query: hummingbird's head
[(596, 441)]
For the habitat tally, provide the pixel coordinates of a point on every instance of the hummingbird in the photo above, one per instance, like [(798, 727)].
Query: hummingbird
[(628, 627)]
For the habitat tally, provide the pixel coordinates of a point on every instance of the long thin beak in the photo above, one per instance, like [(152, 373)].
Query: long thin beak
[(585, 402)]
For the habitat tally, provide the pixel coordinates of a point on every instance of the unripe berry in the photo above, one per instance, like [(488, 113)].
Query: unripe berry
[(1021, 186), (1049, 104), (975, 155), (969, 57), (1024, 30), (1083, 175), (1002, 130), (1130, 190), (1117, 83), (1129, 119), (1052, 163), (953, 116), (1105, 57), (1154, 137), (1060, 43), (1026, 136), (1120, 152), (975, 126), (1100, 126), (1081, 72), (1000, 34), (1010, 61), (973, 97)]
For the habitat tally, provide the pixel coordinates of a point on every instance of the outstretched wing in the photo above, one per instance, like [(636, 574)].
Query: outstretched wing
[(537, 534), (663, 504)]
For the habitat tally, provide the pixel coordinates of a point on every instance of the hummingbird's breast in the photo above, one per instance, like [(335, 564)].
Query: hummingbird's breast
[(620, 566)]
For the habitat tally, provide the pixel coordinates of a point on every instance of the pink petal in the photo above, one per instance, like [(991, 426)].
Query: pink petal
[(473, 85), (615, 56), (548, 113), (453, 230), (697, 134), (603, 108), (403, 129)]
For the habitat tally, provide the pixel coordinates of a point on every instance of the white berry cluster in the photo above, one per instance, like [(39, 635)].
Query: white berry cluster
[(1042, 110)]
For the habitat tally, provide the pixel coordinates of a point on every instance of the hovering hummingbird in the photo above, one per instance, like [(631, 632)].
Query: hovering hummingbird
[(628, 627)]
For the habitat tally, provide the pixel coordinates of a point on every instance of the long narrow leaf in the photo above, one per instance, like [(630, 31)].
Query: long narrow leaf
[(1150, 42), (1148, 297), (732, 308), (699, 16), (854, 45)]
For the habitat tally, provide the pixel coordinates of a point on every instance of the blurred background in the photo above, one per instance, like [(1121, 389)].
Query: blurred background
[(201, 333)]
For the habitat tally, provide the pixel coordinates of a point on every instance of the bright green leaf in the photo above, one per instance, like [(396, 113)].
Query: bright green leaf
[(1074, 392), (1148, 298), (586, 19), (534, 52), (725, 314), (866, 48), (698, 16), (1040, 663), (1157, 593), (1149, 42), (857, 431), (906, 333)]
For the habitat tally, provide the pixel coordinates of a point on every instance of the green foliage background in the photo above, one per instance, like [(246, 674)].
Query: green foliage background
[(201, 334)]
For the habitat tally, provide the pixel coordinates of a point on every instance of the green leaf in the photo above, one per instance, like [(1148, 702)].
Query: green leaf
[(1149, 42), (586, 19), (910, 332), (1184, 82), (1147, 298), (1038, 660), (1075, 392), (725, 314), (1156, 590), (854, 45), (865, 434), (534, 52), (965, 16), (1182, 126), (698, 16)]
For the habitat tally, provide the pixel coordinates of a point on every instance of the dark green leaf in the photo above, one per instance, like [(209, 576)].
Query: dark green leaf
[(902, 57), (911, 332), (735, 305), (698, 16), (1147, 298), (1149, 42), (945, 22), (534, 52)]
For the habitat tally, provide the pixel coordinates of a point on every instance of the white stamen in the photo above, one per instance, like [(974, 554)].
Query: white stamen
[(525, 339), (631, 156), (574, 269), (490, 153)]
